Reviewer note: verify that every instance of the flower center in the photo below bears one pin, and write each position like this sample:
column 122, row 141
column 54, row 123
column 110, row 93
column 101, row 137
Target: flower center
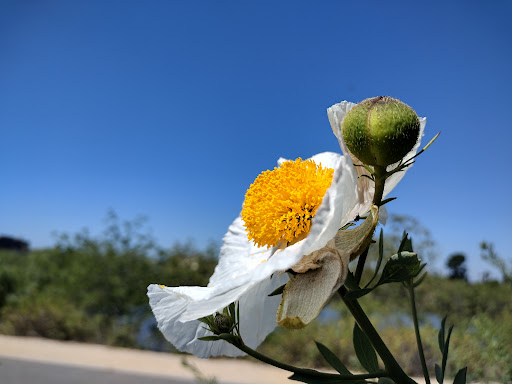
column 280, row 204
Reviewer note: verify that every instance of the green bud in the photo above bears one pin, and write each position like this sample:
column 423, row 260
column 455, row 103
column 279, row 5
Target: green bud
column 222, row 323
column 381, row 130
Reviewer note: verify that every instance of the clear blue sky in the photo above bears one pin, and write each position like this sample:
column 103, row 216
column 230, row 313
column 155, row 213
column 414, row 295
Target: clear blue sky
column 170, row 109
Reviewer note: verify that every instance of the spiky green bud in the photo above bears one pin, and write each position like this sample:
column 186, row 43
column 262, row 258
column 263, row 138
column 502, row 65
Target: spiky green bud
column 380, row 130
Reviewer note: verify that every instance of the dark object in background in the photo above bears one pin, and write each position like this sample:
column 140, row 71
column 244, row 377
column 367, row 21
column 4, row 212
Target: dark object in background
column 13, row 244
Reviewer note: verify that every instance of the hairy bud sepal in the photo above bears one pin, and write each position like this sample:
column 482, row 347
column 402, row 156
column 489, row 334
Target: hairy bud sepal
column 381, row 130
column 222, row 323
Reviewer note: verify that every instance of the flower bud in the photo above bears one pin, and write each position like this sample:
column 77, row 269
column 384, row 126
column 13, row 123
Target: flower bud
column 222, row 323
column 381, row 130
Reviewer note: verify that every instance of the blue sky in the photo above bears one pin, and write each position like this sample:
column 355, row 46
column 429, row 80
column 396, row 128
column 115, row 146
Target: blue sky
column 171, row 109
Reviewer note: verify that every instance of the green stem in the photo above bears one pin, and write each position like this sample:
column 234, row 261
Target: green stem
column 302, row 371
column 392, row 367
column 380, row 180
column 417, row 332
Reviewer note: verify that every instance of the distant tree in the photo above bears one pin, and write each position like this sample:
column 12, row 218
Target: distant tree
column 489, row 254
column 12, row 244
column 457, row 265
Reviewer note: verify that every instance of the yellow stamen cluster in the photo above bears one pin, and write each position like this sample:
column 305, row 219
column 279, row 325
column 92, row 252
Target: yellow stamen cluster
column 280, row 204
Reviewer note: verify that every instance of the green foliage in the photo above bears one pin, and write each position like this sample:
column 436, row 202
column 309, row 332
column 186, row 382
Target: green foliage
column 332, row 359
column 364, row 350
column 93, row 289
column 49, row 316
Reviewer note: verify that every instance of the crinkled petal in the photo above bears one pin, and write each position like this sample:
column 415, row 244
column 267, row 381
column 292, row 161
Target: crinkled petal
column 257, row 317
column 336, row 114
column 168, row 304
column 242, row 264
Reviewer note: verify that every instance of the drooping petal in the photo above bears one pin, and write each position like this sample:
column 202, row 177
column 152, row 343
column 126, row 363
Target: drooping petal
column 321, row 273
column 257, row 317
column 307, row 293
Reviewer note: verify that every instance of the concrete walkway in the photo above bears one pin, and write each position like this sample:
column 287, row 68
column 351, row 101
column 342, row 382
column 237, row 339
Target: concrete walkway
column 100, row 357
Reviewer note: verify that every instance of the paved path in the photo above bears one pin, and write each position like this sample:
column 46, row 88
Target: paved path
column 22, row 371
column 44, row 358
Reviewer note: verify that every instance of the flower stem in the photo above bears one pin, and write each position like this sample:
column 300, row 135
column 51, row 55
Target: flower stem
column 380, row 180
column 410, row 286
column 392, row 367
column 302, row 371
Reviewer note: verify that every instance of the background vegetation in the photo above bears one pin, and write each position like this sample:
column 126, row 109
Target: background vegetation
column 93, row 289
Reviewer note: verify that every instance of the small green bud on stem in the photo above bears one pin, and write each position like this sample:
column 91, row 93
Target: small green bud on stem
column 223, row 323
column 380, row 131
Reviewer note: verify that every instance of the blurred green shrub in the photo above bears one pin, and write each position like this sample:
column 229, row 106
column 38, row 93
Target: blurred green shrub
column 94, row 288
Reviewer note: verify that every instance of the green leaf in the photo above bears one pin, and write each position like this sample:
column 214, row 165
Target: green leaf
column 422, row 266
column 420, row 280
column 357, row 293
column 440, row 336
column 228, row 337
column 348, row 225
column 402, row 242
column 369, row 177
column 364, row 350
column 208, row 338
column 400, row 267
column 380, row 258
column 277, row 291
column 232, row 309
column 445, row 351
column 460, row 377
column 332, row 359
column 350, row 282
column 439, row 374
column 385, row 201
column 206, row 320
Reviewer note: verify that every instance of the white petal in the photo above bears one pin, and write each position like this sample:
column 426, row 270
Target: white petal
column 336, row 114
column 257, row 317
column 168, row 304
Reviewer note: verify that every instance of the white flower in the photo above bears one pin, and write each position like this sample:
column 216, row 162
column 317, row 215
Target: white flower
column 248, row 273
